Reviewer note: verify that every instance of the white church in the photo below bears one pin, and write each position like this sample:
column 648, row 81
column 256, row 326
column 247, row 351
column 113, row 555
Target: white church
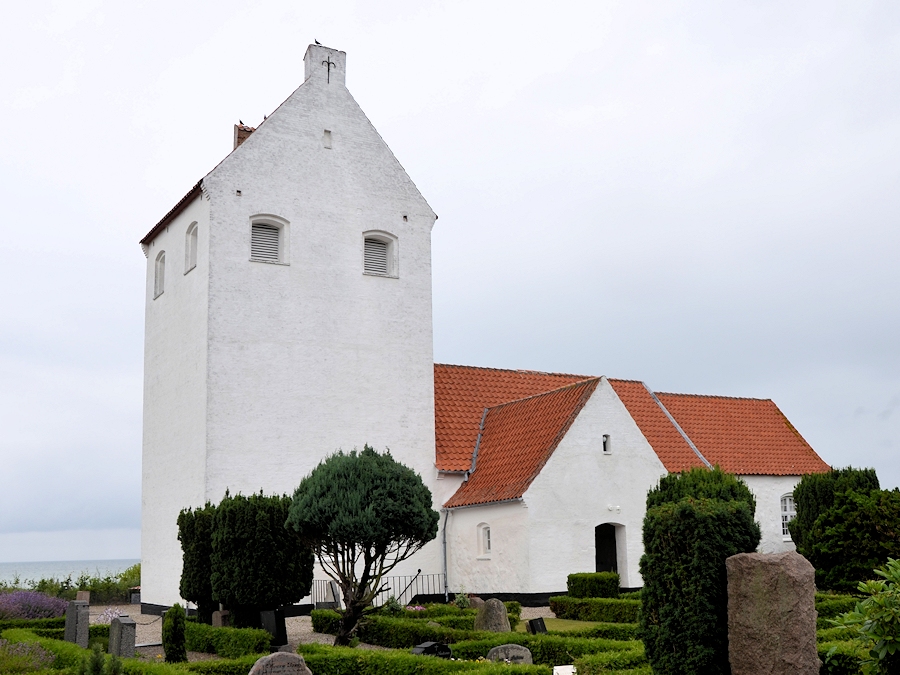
column 288, row 315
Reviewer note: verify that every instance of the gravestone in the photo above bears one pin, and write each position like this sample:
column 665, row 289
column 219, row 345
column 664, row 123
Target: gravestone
column 82, row 624
column 71, row 620
column 221, row 618
column 771, row 614
column 438, row 649
column 280, row 663
column 273, row 621
column 122, row 632
column 332, row 597
column 493, row 617
column 475, row 602
column 511, row 653
column 84, row 596
column 535, row 626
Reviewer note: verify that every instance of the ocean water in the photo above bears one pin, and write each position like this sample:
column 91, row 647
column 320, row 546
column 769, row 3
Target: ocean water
column 62, row 568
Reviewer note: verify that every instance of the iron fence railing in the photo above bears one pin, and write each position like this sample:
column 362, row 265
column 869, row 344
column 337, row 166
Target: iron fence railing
column 404, row 588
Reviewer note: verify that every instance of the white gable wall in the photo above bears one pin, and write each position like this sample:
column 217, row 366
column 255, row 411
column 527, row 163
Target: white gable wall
column 173, row 467
column 768, row 491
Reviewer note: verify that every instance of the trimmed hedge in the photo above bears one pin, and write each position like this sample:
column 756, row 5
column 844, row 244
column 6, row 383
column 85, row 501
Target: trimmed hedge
column 608, row 610
column 550, row 650
column 67, row 653
column 229, row 643
column 97, row 630
column 598, row 664
column 608, row 631
column 837, row 634
column 59, row 622
column 830, row 606
column 844, row 661
column 593, row 585
column 324, row 660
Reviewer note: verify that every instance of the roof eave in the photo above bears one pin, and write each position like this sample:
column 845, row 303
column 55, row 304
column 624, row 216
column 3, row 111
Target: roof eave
column 173, row 213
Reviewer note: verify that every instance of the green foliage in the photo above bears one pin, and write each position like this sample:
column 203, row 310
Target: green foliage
column 593, row 585
column 59, row 622
column 229, row 643
column 362, row 513
column 607, row 631
column 877, row 620
column 550, row 650
column 700, row 483
column 836, row 634
column 392, row 607
column 173, row 634
column 195, row 528
column 23, row 657
column 610, row 610
column 68, row 655
column 106, row 589
column 840, row 658
column 92, row 663
column 814, row 495
column 257, row 563
column 324, row 660
column 858, row 533
column 829, row 605
column 598, row 664
column 462, row 600
column 684, row 618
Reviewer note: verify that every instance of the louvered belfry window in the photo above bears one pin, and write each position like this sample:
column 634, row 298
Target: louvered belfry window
column 264, row 242
column 376, row 257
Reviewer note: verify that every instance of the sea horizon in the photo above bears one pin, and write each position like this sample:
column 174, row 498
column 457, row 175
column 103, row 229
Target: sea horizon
column 60, row 569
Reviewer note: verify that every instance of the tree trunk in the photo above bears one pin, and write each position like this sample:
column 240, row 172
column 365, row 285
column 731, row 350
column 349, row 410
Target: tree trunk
column 349, row 622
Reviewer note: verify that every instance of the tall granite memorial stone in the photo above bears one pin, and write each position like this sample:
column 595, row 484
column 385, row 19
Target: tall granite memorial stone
column 122, row 631
column 771, row 614
column 77, row 619
column 492, row 617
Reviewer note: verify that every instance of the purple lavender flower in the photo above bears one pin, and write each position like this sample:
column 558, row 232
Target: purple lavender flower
column 23, row 657
column 30, row 605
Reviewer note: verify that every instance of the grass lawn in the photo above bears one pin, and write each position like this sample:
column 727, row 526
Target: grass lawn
column 560, row 624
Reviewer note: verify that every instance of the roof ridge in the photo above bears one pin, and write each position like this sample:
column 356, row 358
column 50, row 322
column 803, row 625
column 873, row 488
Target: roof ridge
column 546, row 393
column 516, row 370
column 730, row 398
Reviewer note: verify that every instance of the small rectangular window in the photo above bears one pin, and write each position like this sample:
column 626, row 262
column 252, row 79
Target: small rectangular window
column 376, row 257
column 264, row 242
column 607, row 447
column 327, row 139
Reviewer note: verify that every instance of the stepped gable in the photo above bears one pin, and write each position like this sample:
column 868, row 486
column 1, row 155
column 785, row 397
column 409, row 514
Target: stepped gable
column 669, row 445
column 461, row 393
column 517, row 440
column 745, row 436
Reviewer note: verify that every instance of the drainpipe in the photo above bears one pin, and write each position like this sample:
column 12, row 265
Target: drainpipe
column 444, row 555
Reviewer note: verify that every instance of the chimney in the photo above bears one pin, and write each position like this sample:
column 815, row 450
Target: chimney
column 325, row 65
column 241, row 134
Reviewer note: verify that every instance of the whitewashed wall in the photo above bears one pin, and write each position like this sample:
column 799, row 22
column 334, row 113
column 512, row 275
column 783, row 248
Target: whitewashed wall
column 173, row 468
column 768, row 491
column 550, row 533
column 310, row 356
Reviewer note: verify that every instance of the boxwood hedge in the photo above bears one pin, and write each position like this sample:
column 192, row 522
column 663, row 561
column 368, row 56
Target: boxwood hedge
column 599, row 664
column 229, row 643
column 551, row 650
column 593, row 585
column 609, row 610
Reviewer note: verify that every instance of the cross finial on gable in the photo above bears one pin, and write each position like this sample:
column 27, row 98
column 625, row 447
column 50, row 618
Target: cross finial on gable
column 331, row 63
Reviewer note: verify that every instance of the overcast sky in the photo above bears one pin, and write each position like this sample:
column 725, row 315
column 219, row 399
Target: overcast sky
column 700, row 195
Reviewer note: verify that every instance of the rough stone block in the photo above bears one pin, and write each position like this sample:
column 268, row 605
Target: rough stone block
column 281, row 663
column 771, row 614
column 221, row 618
column 82, row 623
column 511, row 653
column 492, row 617
column 83, row 595
column 122, row 632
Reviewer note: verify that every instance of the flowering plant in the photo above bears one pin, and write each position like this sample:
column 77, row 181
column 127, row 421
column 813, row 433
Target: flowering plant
column 108, row 615
column 415, row 608
column 30, row 605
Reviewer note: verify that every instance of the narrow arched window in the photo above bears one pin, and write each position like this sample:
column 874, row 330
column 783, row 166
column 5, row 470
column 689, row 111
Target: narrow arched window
column 788, row 511
column 190, row 248
column 159, row 276
column 484, row 540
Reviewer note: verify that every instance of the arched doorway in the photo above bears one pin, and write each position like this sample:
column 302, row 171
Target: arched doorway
column 605, row 548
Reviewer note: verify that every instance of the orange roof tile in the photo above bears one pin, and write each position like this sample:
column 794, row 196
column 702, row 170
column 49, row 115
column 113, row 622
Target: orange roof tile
column 670, row 446
column 461, row 393
column 517, row 440
column 745, row 436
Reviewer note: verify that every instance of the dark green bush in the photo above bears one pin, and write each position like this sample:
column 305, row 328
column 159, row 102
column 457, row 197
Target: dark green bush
column 257, row 562
column 814, row 495
column 859, row 533
column 173, row 634
column 229, row 643
column 630, row 595
column 551, row 650
column 609, row 610
column 840, row 658
column 345, row 661
column 95, row 631
column 829, row 606
column 684, row 619
column 701, row 484
column 593, row 585
column 608, row 631
column 59, row 622
column 599, row 664
column 195, row 528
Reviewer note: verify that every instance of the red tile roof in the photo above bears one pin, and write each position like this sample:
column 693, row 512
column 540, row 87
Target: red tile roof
column 670, row 446
column 461, row 393
column 744, row 436
column 517, row 440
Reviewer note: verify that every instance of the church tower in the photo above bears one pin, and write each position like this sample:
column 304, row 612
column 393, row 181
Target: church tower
column 288, row 314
